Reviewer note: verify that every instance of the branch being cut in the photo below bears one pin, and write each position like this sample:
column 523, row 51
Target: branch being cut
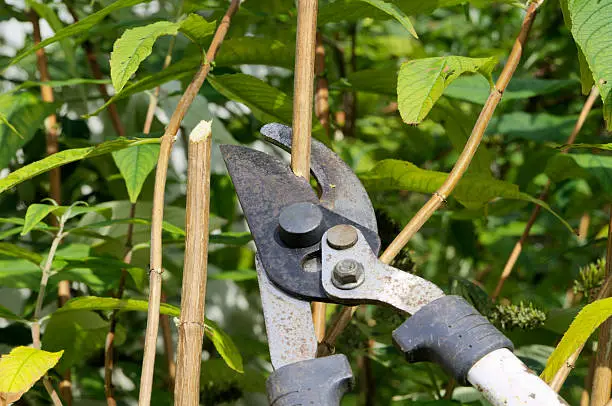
column 463, row 162
column 518, row 247
column 167, row 140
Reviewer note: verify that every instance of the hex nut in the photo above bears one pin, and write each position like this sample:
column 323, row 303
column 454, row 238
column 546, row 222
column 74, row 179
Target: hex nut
column 348, row 274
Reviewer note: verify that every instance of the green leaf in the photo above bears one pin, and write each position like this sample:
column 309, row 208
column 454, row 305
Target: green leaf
column 22, row 368
column 476, row 89
column 80, row 27
column 8, row 315
column 421, row 82
column 585, row 323
column 567, row 166
column 22, row 116
column 223, row 343
column 15, row 251
column 473, row 190
column 104, row 267
column 35, row 214
column 236, row 276
column 381, row 81
column 133, row 47
column 79, row 334
column 267, row 103
column 589, row 22
column 235, row 51
column 67, row 156
column 395, row 12
column 171, row 228
column 231, row 238
column 196, row 28
column 135, row 164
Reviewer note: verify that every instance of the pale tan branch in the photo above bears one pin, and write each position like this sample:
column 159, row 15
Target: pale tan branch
column 155, row 279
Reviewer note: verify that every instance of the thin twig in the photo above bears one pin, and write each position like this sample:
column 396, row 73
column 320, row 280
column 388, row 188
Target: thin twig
column 164, row 322
column 193, row 295
column 463, row 162
column 167, row 140
column 52, row 145
column 44, row 280
column 602, row 374
column 518, row 247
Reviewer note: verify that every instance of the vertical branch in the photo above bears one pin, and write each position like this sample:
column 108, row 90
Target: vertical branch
column 518, row 247
column 55, row 188
column 164, row 321
column 461, row 166
column 602, row 373
column 322, row 91
column 350, row 98
column 302, row 111
column 167, row 140
column 193, row 295
column 303, row 87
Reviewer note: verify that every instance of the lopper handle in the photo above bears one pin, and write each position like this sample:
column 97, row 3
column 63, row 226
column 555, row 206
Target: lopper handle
column 319, row 381
column 452, row 333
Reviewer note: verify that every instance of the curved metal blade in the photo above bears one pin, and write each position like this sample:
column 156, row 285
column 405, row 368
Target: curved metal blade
column 289, row 325
column 342, row 191
column 265, row 185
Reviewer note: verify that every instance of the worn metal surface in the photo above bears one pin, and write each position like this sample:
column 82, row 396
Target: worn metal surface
column 342, row 236
column 265, row 186
column 341, row 190
column 289, row 325
column 382, row 284
column 301, row 224
column 348, row 274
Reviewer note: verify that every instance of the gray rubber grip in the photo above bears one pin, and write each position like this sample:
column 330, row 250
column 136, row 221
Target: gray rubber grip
column 319, row 381
column 451, row 333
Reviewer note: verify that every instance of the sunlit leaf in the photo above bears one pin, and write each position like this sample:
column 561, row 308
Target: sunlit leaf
column 197, row 29
column 421, row 82
column 236, row 276
column 15, row 251
column 394, row 11
column 585, row 323
column 133, row 47
column 22, row 368
column 67, row 156
column 568, row 166
column 589, row 22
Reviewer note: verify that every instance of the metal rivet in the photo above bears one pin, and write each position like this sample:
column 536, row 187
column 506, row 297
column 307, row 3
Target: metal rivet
column 348, row 274
column 301, row 225
column 342, row 236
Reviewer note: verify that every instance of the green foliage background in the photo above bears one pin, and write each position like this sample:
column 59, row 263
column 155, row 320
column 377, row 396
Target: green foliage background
column 375, row 64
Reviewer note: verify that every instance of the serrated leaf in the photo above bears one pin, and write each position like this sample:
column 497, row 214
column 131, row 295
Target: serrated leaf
column 473, row 190
column 267, row 103
column 15, row 251
column 589, row 22
column 78, row 334
column 67, row 156
column 223, row 343
column 22, row 368
column 395, row 12
column 585, row 323
column 20, row 117
column 421, row 82
column 196, row 28
column 80, row 27
column 133, row 47
column 135, row 164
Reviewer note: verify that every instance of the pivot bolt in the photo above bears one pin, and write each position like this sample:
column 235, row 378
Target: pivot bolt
column 348, row 274
column 342, row 236
column 301, row 225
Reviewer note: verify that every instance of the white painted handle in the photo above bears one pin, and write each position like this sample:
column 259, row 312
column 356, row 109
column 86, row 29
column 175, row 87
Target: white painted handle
column 505, row 381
